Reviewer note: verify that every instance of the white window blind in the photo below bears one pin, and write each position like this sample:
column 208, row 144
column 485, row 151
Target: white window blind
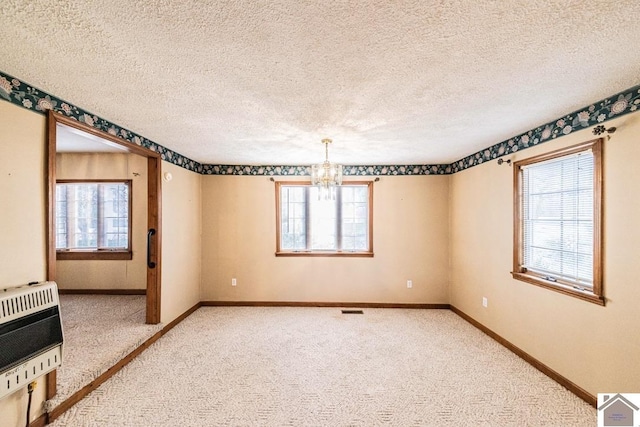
column 558, row 218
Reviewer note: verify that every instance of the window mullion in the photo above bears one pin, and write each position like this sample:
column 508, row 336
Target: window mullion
column 100, row 217
column 71, row 217
column 339, row 218
column 307, row 217
column 562, row 218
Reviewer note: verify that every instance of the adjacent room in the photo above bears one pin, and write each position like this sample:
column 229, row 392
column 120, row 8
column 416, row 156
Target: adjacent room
column 319, row 213
column 103, row 295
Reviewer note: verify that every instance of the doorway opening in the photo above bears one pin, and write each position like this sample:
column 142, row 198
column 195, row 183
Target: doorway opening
column 96, row 143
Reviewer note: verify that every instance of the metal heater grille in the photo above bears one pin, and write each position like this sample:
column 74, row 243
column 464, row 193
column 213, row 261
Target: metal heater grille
column 30, row 335
column 23, row 301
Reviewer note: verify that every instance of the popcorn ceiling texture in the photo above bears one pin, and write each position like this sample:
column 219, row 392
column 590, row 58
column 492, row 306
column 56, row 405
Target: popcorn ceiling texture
column 261, row 83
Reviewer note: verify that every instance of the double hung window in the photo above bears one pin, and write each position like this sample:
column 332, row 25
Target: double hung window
column 557, row 221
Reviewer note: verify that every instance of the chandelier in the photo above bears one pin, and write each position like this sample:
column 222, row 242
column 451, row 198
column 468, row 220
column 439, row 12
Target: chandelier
column 326, row 176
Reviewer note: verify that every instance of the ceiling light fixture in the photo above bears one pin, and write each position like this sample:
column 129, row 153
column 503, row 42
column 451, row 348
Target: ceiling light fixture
column 326, row 176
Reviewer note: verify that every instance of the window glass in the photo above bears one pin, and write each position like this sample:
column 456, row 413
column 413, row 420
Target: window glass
column 92, row 215
column 311, row 220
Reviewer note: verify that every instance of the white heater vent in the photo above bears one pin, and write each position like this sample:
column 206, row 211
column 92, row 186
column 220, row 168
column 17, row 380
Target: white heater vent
column 30, row 334
column 23, row 301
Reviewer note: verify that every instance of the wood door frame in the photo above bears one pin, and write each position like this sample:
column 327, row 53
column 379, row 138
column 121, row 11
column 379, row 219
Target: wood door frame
column 154, row 204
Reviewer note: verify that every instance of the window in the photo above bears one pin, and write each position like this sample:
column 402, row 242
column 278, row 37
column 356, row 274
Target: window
column 92, row 219
column 557, row 221
column 309, row 224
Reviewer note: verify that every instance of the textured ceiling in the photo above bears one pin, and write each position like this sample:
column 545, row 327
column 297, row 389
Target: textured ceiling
column 392, row 82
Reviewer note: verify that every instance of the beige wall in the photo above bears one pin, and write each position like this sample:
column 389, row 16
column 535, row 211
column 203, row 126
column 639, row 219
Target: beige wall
column 410, row 218
column 181, row 245
column 22, row 195
column 595, row 347
column 88, row 274
column 23, row 229
column 22, row 223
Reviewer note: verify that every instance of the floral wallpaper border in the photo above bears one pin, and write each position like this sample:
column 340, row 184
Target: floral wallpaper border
column 26, row 96
column 372, row 170
column 597, row 113
column 34, row 99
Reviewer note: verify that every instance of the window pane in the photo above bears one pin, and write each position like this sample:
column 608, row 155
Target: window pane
column 355, row 218
column 585, row 269
column 545, row 260
column 293, row 221
column 569, row 236
column 545, row 206
column 585, row 237
column 546, row 234
column 347, row 194
column 83, row 218
column 115, row 208
column 61, row 217
column 323, row 221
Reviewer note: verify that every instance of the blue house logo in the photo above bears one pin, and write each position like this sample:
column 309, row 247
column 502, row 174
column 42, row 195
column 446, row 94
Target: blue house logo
column 617, row 410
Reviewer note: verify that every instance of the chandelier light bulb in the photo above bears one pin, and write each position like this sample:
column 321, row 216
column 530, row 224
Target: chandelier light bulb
column 326, row 176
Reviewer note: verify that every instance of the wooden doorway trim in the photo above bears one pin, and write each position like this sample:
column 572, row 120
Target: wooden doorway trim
column 154, row 203
column 154, row 218
column 154, row 188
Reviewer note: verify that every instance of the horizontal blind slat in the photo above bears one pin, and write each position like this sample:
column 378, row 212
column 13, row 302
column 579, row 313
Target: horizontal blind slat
column 557, row 215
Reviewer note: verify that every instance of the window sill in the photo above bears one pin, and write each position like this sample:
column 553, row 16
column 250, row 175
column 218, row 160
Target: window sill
column 94, row 255
column 559, row 287
column 326, row 254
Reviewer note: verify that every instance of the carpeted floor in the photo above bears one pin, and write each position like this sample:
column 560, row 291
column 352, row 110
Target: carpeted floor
column 99, row 330
column 246, row 366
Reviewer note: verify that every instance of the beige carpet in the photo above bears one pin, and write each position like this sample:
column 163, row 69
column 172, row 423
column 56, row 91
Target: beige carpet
column 99, row 330
column 316, row 367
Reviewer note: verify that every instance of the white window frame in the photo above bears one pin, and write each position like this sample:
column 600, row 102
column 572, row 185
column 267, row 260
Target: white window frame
column 368, row 252
column 520, row 272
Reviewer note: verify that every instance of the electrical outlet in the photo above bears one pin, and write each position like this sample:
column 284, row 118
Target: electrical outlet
column 233, row 282
column 409, row 284
column 485, row 302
